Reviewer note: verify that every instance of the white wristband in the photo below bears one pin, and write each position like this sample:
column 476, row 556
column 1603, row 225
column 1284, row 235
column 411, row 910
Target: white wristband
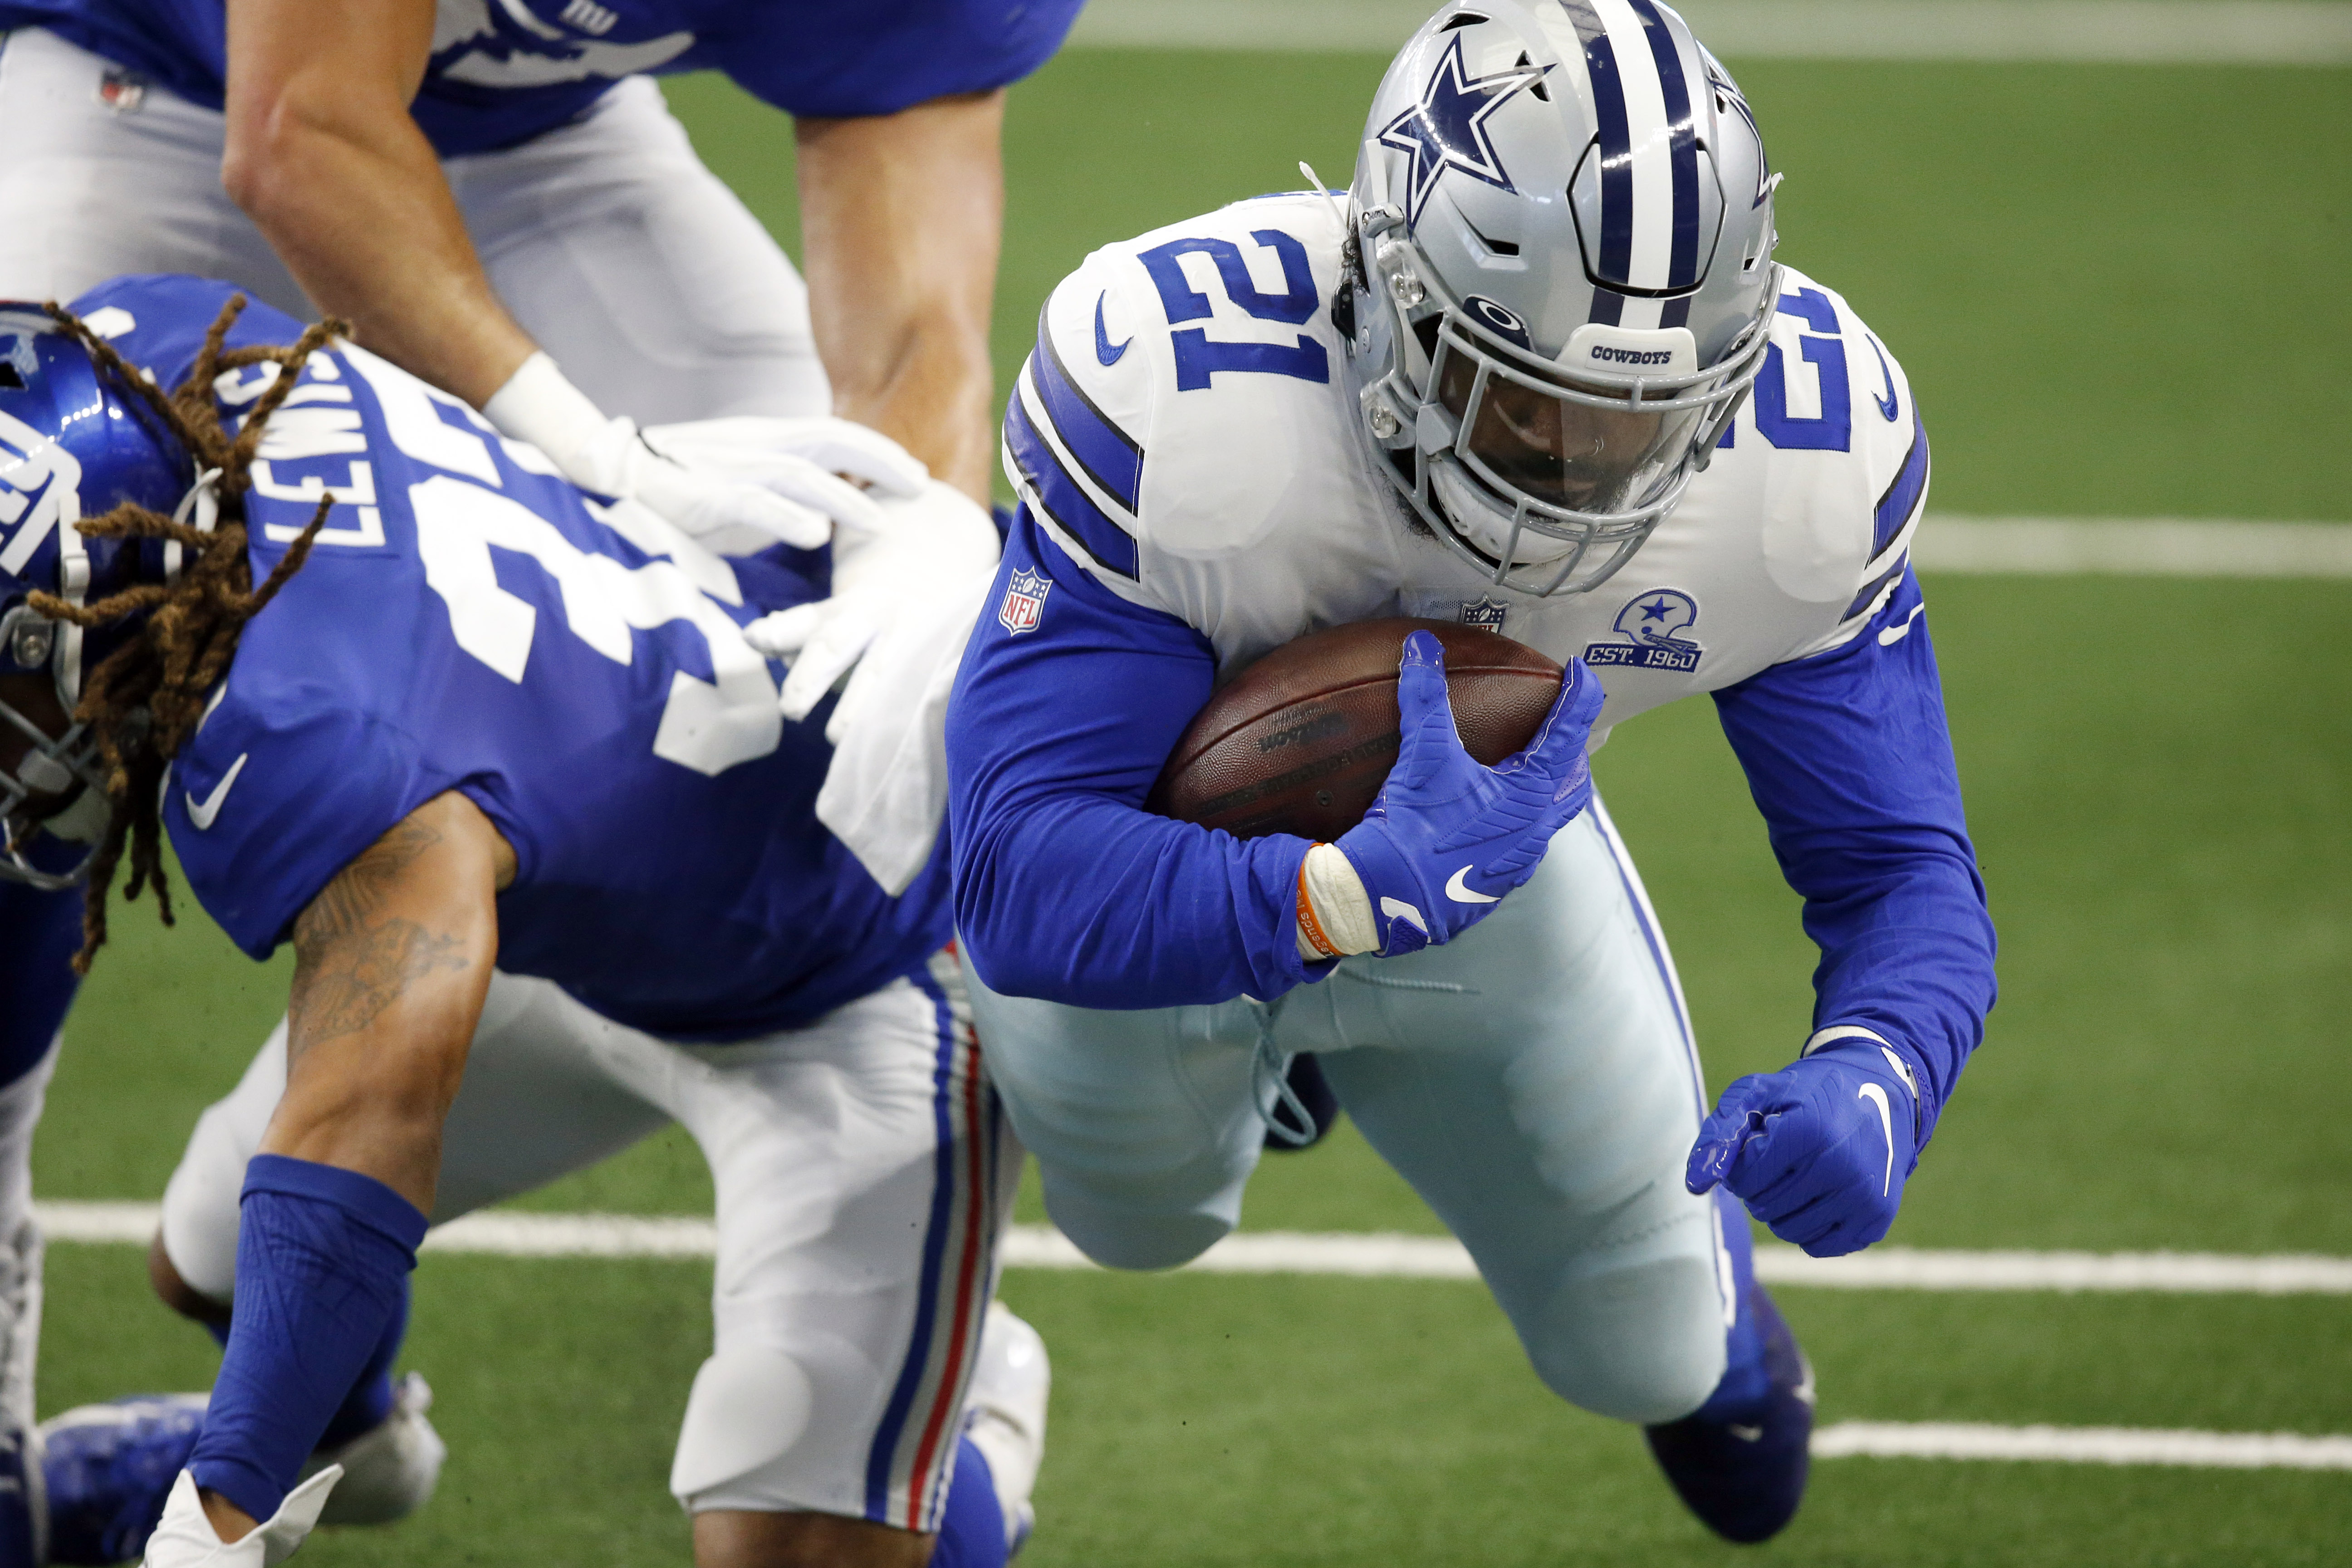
column 539, row 406
column 1339, row 904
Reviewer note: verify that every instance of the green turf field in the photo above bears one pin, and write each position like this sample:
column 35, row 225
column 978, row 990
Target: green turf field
column 2118, row 291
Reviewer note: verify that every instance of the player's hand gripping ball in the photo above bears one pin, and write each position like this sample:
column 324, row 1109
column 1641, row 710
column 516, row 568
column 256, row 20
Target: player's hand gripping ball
column 1818, row 1151
column 1448, row 836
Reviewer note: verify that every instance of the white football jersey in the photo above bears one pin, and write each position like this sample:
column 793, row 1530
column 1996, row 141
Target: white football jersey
column 1186, row 434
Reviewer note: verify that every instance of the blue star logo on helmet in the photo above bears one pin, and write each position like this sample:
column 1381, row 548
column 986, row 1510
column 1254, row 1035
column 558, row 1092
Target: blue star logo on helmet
column 1446, row 128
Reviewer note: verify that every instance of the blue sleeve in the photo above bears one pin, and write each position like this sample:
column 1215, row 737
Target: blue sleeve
column 1850, row 761
column 265, row 809
column 841, row 62
column 1066, row 888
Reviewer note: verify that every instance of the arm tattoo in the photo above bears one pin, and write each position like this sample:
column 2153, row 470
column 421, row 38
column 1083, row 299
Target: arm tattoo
column 352, row 961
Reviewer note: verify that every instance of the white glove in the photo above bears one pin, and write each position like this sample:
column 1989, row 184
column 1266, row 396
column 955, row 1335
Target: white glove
column 921, row 546
column 748, row 480
column 183, row 1538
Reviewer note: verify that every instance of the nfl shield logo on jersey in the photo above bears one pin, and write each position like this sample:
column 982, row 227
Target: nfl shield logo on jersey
column 1483, row 614
column 1652, row 624
column 1024, row 601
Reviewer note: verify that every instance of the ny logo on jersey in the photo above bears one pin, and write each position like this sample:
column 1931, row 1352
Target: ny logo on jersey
column 1652, row 623
column 1024, row 601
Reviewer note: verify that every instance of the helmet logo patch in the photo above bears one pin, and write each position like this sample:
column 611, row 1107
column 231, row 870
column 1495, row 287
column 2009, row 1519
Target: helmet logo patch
column 1653, row 624
column 1503, row 323
column 40, row 487
column 1446, row 128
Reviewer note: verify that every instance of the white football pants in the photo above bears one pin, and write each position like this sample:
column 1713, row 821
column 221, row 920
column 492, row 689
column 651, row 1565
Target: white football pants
column 627, row 260
column 1533, row 1079
column 863, row 1173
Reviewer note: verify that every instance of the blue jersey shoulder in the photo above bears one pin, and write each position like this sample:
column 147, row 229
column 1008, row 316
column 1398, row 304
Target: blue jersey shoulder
column 468, row 621
column 502, row 71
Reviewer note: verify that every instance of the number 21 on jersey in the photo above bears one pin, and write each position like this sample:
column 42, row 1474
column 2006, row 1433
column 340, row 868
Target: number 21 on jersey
column 1198, row 355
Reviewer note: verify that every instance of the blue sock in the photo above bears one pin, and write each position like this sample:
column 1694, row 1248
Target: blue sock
column 972, row 1533
column 1747, row 1382
column 370, row 1399
column 323, row 1257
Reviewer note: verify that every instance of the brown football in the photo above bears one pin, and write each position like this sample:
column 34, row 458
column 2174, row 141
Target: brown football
column 1301, row 740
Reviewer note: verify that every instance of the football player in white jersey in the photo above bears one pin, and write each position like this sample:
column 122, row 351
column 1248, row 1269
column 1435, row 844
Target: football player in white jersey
column 1537, row 370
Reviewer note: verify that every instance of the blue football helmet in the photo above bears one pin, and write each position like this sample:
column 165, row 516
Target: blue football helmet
column 71, row 446
column 1562, row 282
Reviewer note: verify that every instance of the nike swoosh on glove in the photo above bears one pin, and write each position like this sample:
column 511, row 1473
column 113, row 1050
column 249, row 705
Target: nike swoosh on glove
column 914, row 553
column 1448, row 837
column 1820, row 1150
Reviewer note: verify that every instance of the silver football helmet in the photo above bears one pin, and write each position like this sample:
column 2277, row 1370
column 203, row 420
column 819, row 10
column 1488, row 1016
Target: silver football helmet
column 1560, row 274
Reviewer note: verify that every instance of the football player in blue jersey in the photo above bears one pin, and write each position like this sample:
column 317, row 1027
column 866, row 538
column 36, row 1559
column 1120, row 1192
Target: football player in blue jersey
column 1537, row 371
column 505, row 762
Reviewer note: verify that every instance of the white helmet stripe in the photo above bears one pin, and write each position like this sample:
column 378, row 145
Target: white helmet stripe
column 1650, row 136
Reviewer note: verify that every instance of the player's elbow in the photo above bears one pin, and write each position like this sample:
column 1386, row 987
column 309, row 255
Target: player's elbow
column 283, row 144
column 262, row 159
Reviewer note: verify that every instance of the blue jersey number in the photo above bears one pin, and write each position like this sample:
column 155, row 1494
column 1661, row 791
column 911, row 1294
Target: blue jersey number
column 1200, row 356
column 1833, row 429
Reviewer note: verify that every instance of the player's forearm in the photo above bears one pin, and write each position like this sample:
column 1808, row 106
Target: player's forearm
column 373, row 235
column 901, row 219
column 322, row 154
column 1066, row 888
column 1096, row 904
column 1849, row 760
column 392, row 962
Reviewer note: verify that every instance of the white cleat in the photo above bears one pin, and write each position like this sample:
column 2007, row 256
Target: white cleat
column 389, row 1470
column 184, row 1537
column 1004, row 1414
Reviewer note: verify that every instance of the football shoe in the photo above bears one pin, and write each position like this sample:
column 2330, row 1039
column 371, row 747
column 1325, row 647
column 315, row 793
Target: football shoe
column 108, row 1468
column 1004, row 1414
column 1739, row 1460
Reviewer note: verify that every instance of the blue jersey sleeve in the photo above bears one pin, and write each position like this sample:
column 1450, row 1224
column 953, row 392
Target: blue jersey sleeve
column 269, row 802
column 1850, row 761
column 850, row 60
column 1065, row 889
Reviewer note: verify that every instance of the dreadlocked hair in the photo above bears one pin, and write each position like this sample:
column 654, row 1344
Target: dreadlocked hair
column 146, row 700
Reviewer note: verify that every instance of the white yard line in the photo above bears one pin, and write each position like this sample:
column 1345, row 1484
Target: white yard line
column 509, row 1234
column 2082, row 1446
column 2193, row 32
column 2142, row 547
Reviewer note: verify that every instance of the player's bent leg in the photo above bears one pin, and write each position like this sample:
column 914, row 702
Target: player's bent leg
column 1533, row 1081
column 863, row 1172
column 539, row 1099
column 125, row 177
column 1141, row 1122
column 660, row 296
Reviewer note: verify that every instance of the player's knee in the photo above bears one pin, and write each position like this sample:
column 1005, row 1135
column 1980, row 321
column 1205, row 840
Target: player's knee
column 176, row 1292
column 749, row 1405
column 1134, row 1235
column 197, row 1240
column 1644, row 1343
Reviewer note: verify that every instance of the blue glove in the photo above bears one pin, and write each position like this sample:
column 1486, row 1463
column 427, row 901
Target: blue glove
column 1818, row 1151
column 1449, row 837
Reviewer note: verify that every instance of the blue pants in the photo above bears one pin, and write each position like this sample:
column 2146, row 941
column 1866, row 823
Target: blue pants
column 1533, row 1079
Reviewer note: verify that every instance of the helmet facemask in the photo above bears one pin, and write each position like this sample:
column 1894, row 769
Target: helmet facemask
column 1547, row 481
